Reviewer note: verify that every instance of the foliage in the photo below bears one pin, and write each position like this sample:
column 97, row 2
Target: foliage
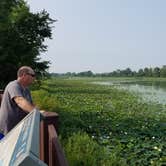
column 83, row 150
column 129, row 130
column 163, row 71
column 146, row 72
column 45, row 101
column 22, row 36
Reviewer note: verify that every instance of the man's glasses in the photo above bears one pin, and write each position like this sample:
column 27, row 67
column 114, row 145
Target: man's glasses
column 33, row 75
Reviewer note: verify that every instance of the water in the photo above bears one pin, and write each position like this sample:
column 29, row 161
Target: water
column 149, row 91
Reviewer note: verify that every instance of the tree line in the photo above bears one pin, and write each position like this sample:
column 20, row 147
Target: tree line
column 22, row 36
column 146, row 72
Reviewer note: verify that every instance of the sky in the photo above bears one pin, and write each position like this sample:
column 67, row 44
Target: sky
column 104, row 35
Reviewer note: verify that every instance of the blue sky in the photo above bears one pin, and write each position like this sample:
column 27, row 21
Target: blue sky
column 105, row 35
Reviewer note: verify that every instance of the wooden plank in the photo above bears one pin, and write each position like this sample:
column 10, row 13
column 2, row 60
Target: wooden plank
column 42, row 141
column 56, row 154
column 47, row 118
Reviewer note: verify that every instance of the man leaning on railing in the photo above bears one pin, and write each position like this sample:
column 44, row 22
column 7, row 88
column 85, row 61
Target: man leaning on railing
column 17, row 101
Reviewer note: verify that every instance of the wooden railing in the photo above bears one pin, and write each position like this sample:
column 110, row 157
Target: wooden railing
column 50, row 148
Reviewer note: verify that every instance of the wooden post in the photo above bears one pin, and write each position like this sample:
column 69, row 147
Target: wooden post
column 46, row 119
column 56, row 154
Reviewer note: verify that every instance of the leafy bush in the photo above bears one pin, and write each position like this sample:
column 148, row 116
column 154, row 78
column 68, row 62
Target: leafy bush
column 45, row 101
column 82, row 150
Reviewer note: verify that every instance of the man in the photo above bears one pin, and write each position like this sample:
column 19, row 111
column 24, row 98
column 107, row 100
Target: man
column 17, row 101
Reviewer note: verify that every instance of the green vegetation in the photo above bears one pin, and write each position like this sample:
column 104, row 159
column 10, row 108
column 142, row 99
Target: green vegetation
column 22, row 36
column 146, row 72
column 104, row 126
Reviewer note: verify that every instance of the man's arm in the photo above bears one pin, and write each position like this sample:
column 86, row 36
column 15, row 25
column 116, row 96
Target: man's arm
column 24, row 104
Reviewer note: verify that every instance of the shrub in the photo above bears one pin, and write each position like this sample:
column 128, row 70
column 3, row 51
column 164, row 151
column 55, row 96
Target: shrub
column 81, row 150
column 45, row 101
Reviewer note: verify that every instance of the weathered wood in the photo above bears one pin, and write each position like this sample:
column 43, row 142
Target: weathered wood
column 56, row 154
column 50, row 118
column 42, row 141
column 47, row 118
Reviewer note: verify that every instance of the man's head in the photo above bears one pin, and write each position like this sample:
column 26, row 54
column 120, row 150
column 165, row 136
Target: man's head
column 25, row 75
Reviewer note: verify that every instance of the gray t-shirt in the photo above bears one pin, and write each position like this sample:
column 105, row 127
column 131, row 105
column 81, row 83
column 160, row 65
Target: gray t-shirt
column 10, row 112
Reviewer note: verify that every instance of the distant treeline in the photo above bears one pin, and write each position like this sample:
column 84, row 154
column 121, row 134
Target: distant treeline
column 146, row 72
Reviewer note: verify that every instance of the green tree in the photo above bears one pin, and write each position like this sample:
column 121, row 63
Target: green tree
column 86, row 73
column 156, row 72
column 22, row 36
column 150, row 72
column 163, row 71
column 141, row 72
column 146, row 71
column 128, row 72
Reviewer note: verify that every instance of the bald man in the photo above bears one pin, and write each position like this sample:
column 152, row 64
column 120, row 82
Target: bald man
column 17, row 100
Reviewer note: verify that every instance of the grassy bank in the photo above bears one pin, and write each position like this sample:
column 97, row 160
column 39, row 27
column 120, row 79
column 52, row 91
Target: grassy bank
column 100, row 125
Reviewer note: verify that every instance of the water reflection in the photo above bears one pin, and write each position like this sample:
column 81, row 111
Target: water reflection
column 150, row 91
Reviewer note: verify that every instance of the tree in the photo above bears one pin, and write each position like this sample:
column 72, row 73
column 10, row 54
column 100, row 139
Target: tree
column 163, row 71
column 141, row 72
column 128, row 72
column 86, row 73
column 22, row 36
column 156, row 72
column 146, row 71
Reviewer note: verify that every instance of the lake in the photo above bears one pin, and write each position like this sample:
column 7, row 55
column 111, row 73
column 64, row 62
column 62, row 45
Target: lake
column 154, row 91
